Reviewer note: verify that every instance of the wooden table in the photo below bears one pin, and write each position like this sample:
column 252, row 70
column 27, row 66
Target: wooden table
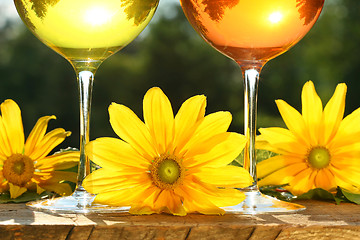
column 321, row 220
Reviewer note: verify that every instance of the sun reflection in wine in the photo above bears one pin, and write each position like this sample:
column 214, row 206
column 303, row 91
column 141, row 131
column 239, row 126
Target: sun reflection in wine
column 275, row 17
column 97, row 16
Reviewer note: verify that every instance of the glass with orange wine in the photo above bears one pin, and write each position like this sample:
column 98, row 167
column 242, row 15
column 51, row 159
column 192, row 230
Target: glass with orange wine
column 85, row 32
column 252, row 32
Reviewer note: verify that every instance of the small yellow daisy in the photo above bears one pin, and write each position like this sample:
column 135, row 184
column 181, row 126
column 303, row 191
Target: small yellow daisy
column 25, row 165
column 319, row 149
column 176, row 165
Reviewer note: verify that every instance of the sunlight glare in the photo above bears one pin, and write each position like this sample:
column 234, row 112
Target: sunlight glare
column 275, row 17
column 97, row 15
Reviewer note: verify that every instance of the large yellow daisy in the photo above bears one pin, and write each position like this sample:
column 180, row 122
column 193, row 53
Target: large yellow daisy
column 165, row 164
column 319, row 149
column 25, row 165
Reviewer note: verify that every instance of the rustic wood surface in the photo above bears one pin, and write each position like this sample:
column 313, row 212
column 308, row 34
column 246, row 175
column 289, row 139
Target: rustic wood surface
column 321, row 220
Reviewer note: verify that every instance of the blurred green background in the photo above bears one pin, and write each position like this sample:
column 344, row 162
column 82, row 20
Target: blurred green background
column 170, row 54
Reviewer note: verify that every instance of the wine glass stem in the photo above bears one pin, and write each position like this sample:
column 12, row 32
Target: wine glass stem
column 251, row 73
column 85, row 82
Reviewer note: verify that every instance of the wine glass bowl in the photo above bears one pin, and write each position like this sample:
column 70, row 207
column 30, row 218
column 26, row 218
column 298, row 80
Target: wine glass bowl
column 86, row 29
column 256, row 30
column 252, row 32
column 85, row 32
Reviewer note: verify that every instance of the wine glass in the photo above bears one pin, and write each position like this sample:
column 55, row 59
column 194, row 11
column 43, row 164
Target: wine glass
column 85, row 32
column 251, row 32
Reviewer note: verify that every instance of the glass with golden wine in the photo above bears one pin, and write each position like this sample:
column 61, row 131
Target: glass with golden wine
column 252, row 32
column 85, row 32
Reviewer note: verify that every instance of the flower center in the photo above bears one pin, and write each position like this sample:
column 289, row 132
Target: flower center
column 319, row 157
column 166, row 171
column 18, row 169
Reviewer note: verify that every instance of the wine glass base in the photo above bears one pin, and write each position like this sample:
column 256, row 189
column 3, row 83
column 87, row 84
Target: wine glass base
column 78, row 202
column 258, row 203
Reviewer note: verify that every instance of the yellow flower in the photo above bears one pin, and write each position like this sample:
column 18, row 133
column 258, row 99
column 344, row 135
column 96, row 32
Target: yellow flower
column 319, row 149
column 165, row 164
column 25, row 165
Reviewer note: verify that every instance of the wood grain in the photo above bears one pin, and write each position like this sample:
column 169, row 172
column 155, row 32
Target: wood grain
column 321, row 220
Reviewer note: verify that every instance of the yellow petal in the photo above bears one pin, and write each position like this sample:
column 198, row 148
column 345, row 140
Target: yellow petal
column 282, row 141
column 197, row 201
column 283, row 175
column 114, row 154
column 209, row 126
column 4, row 186
column 349, row 174
column 352, row 149
column 206, row 198
column 333, row 114
column 56, row 177
column 16, row 191
column 62, row 189
column 265, row 145
column 48, row 143
column 228, row 176
column 140, row 209
column 159, row 118
column 37, row 134
column 346, row 161
column 302, row 182
column 311, row 111
column 12, row 126
column 132, row 130
column 124, row 197
column 187, row 119
column 270, row 165
column 103, row 180
column 39, row 189
column 293, row 120
column 325, row 180
column 147, row 198
column 348, row 132
column 59, row 161
column 228, row 197
column 155, row 200
column 5, row 150
column 169, row 202
column 218, row 151
column 342, row 181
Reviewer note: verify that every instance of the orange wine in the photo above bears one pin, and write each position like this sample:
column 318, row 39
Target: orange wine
column 252, row 30
column 86, row 29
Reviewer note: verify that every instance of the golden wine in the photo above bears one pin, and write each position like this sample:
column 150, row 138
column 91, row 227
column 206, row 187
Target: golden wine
column 86, row 29
column 252, row 30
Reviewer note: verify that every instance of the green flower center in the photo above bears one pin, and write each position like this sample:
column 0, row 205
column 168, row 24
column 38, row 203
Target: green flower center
column 169, row 171
column 18, row 169
column 319, row 157
column 166, row 171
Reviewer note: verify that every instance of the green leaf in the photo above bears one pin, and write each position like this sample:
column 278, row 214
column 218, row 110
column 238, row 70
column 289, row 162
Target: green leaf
column 318, row 194
column 260, row 156
column 25, row 197
column 277, row 191
column 352, row 197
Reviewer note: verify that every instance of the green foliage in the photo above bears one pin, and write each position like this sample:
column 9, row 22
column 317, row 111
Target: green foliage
column 351, row 197
column 172, row 56
column 318, row 194
column 25, row 197
column 277, row 192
